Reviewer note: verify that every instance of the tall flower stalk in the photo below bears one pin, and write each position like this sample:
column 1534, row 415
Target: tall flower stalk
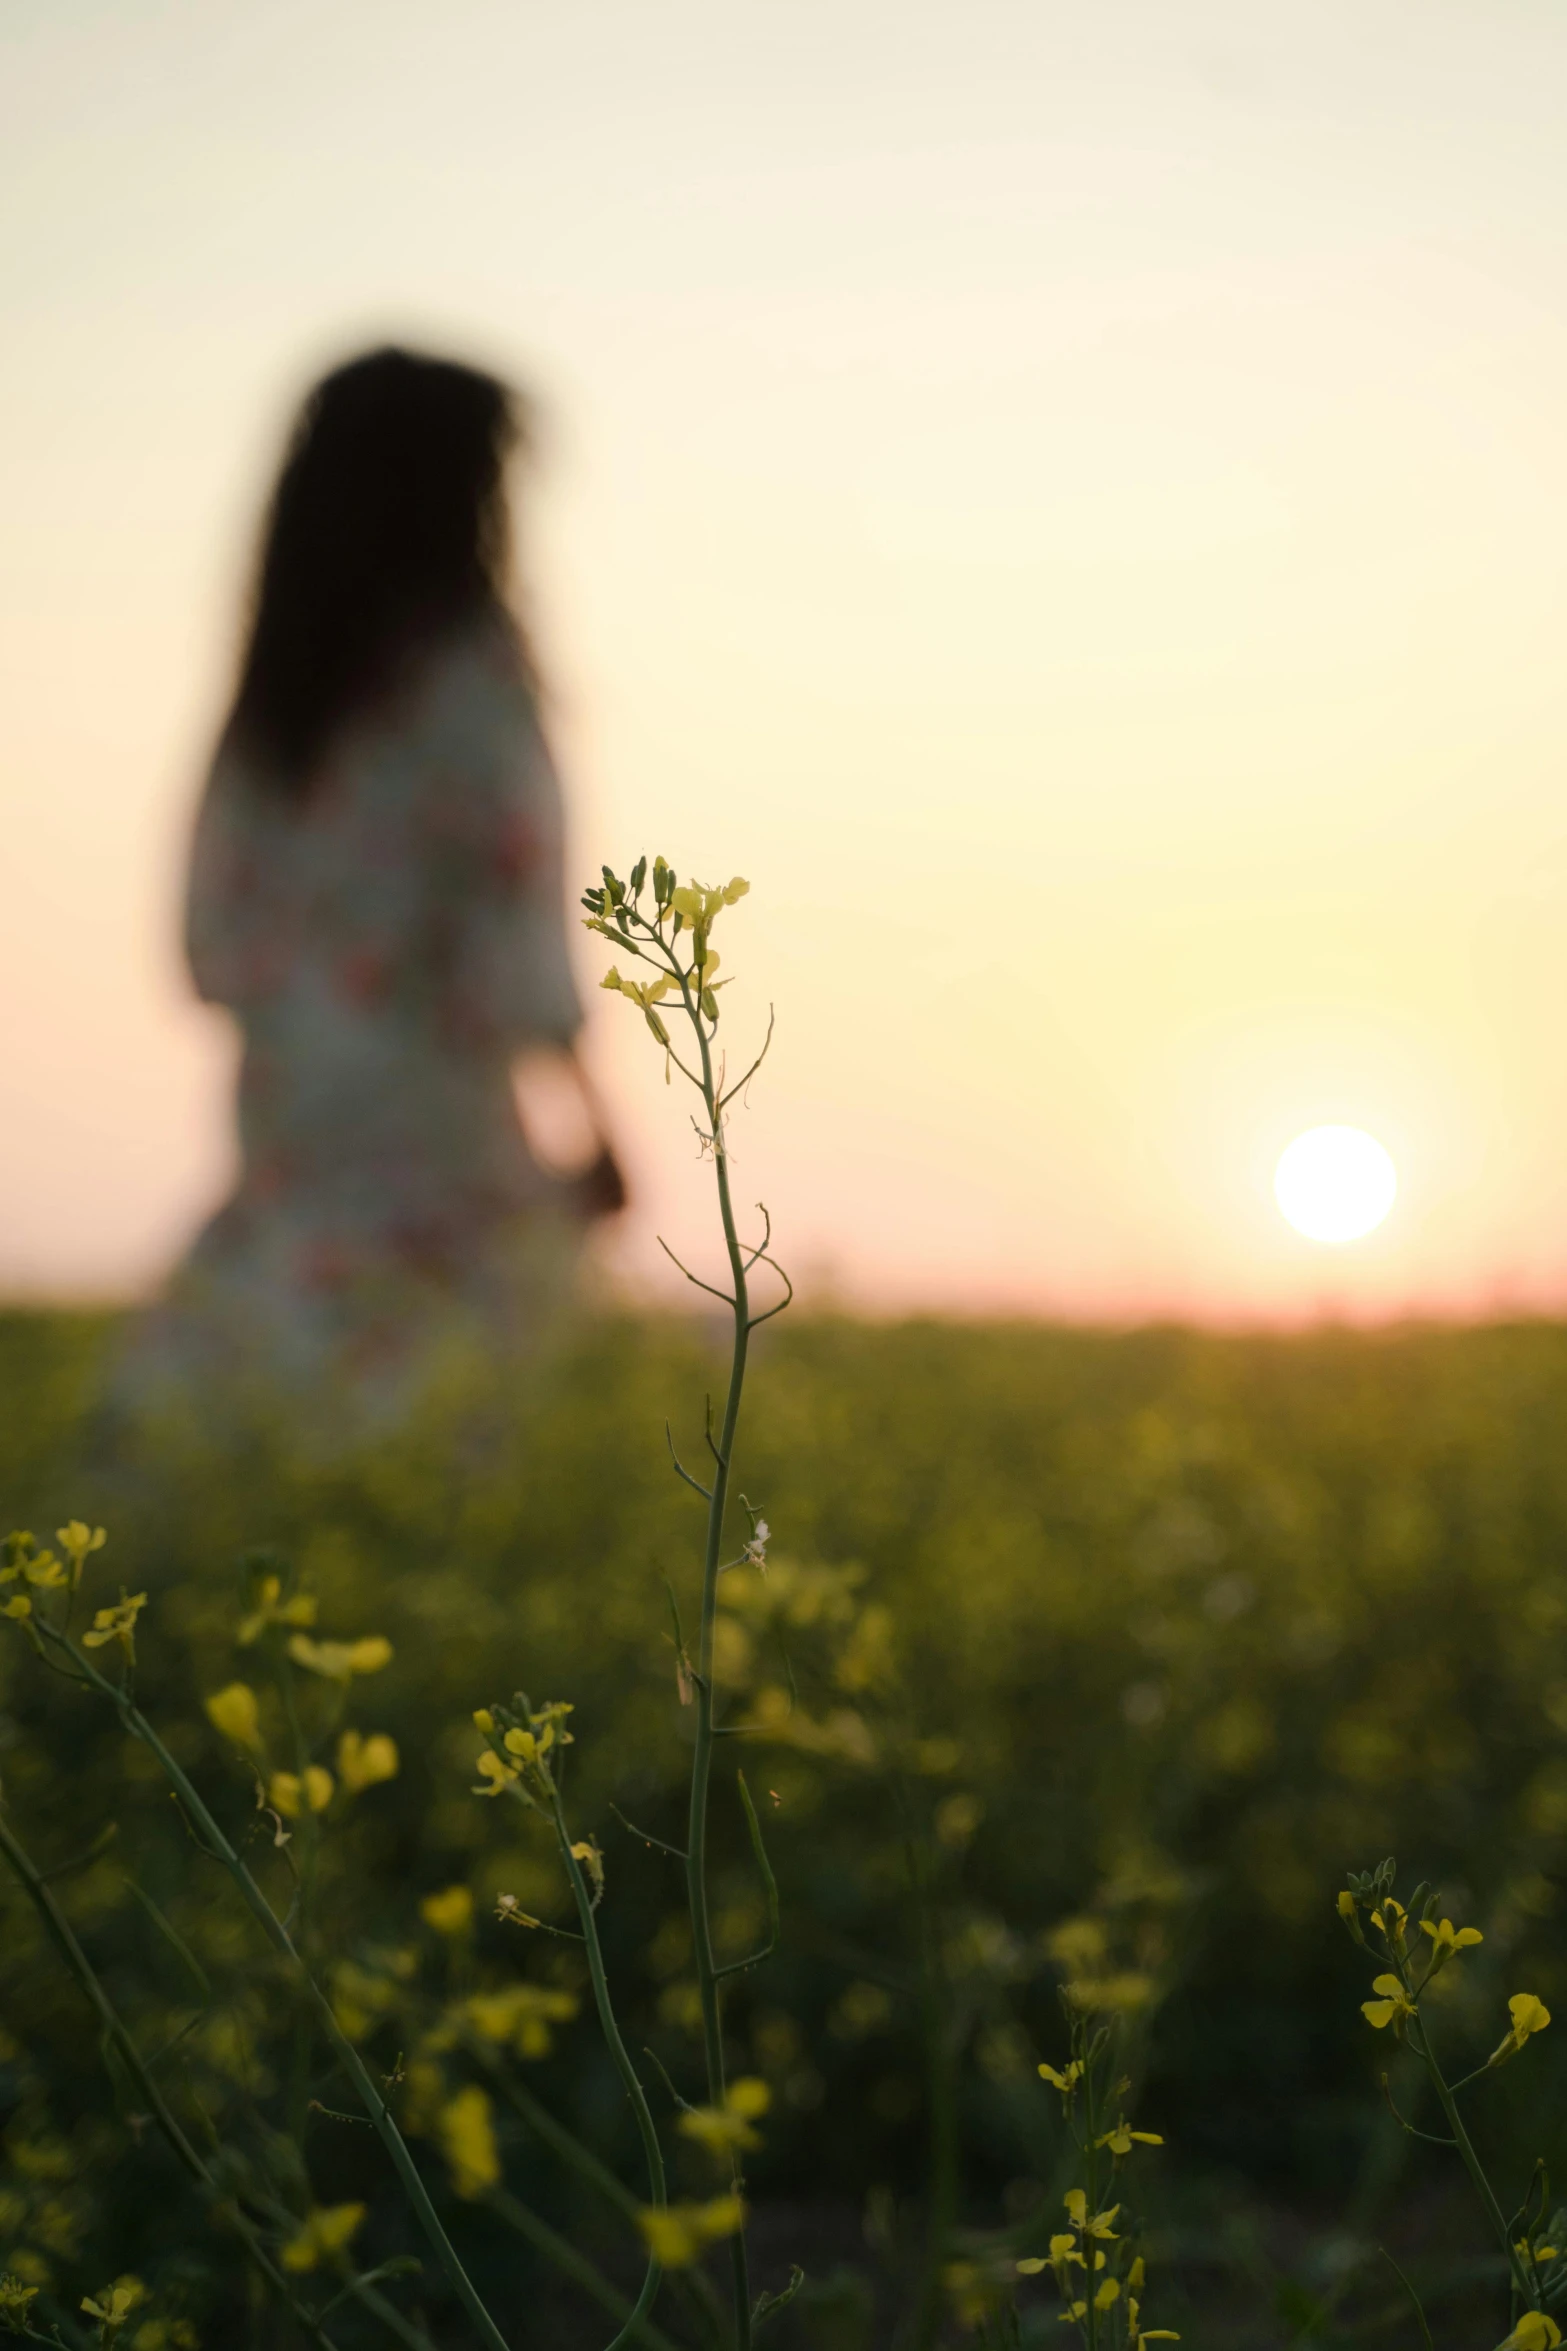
column 1414, row 1946
column 666, row 930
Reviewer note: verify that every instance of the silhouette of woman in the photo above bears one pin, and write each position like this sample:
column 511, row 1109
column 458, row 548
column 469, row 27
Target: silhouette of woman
column 376, row 893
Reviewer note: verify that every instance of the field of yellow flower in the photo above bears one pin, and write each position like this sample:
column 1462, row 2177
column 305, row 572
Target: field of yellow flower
column 1077, row 1658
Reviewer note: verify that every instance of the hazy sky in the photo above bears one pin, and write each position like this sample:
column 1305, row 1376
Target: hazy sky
column 1072, row 501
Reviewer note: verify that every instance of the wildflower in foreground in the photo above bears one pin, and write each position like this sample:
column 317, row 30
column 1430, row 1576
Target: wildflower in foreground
column 362, row 1763
column 721, row 2128
column 1066, row 2082
column 676, row 2234
column 1535, row 2331
column 326, row 2232
column 1120, row 2141
column 1529, row 2015
column 467, row 2138
column 494, row 1775
column 1097, row 2225
column 78, row 1541
column 117, row 1624
column 234, row 1712
column 1391, row 2008
column 449, row 1912
column 113, row 2305
column 14, row 2298
column 1448, row 1940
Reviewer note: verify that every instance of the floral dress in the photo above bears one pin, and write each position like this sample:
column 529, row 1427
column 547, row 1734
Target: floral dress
column 388, row 945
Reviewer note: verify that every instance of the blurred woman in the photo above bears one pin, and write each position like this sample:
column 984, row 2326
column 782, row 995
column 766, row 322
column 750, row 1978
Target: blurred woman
column 376, row 893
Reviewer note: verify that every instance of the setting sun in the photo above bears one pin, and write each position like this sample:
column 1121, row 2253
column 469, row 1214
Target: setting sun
column 1335, row 1183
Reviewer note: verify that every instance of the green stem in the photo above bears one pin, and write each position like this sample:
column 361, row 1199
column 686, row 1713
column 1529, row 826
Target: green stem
column 1091, row 2190
column 702, row 1757
column 610, row 2027
column 60, row 1930
column 277, row 1934
column 310, row 1847
column 1472, row 2164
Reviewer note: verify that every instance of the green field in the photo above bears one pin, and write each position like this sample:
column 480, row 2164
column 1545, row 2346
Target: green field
column 1148, row 1636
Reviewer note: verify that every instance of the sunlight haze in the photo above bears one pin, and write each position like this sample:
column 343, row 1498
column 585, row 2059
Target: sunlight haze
column 1073, row 504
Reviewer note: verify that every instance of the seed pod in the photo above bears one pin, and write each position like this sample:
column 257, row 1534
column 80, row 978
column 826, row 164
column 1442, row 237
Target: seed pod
column 709, row 1003
column 655, row 1024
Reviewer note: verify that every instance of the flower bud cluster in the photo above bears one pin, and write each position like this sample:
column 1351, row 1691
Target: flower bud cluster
column 518, row 1742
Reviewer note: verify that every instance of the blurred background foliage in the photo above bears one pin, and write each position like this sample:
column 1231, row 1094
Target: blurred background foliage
column 1081, row 1656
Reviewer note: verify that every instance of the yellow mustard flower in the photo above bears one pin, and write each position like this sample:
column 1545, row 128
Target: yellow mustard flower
column 677, row 2234
column 234, row 1712
column 1108, row 2294
column 1064, row 2248
column 1449, row 1939
column 295, row 1793
column 17, row 1605
column 44, row 1572
column 1393, row 2005
column 364, row 1762
column 1121, row 2140
column 1535, row 2331
column 117, row 1624
column 327, row 2230
column 113, row 2305
column 450, row 1912
column 339, row 1661
column 78, row 1541
column 14, row 2296
column 720, row 2128
column 1066, row 2082
column 494, row 1775
column 1089, row 2225
column 467, row 2139
column 271, row 1608
column 1391, row 1919
column 1529, row 2015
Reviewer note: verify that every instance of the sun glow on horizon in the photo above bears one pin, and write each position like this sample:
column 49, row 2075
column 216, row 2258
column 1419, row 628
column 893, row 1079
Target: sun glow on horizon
column 1335, row 1183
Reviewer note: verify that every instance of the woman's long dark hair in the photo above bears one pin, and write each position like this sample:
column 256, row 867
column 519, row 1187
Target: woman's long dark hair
column 387, row 530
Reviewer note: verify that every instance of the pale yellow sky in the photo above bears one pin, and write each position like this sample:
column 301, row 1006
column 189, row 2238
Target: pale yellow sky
column 1073, row 502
